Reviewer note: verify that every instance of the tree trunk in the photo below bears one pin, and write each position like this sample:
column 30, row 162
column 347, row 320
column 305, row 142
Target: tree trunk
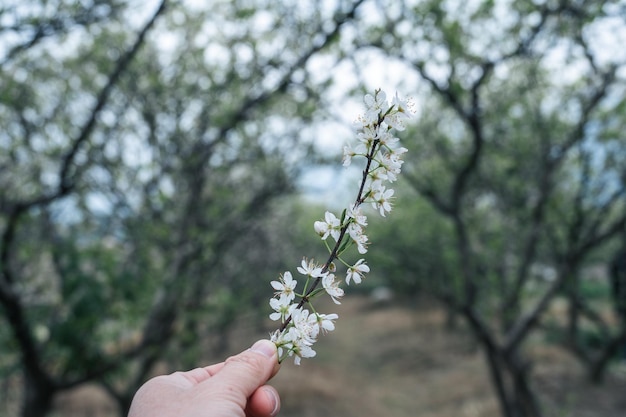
column 508, row 371
column 38, row 396
column 497, row 381
column 511, row 382
column 527, row 404
column 615, row 348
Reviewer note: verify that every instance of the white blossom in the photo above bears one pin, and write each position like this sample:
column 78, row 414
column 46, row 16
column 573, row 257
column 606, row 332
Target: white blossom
column 356, row 272
column 355, row 212
column 373, row 184
column 286, row 286
column 361, row 243
column 401, row 107
column 310, row 269
column 326, row 322
column 355, row 231
column 398, row 152
column 387, row 139
column 376, row 105
column 348, row 153
column 367, row 137
column 305, row 325
column 283, row 341
column 390, row 166
column 376, row 176
column 282, row 308
column 382, row 200
column 395, row 120
column 330, row 226
column 302, row 351
column 332, row 288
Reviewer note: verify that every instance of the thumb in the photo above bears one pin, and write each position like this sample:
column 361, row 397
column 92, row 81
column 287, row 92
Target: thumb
column 244, row 373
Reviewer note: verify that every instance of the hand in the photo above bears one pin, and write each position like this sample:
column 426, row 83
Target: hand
column 234, row 388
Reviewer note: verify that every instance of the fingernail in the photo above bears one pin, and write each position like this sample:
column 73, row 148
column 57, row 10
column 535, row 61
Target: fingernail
column 264, row 347
column 274, row 400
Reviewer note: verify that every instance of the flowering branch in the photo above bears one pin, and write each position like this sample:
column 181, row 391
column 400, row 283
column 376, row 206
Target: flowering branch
column 300, row 327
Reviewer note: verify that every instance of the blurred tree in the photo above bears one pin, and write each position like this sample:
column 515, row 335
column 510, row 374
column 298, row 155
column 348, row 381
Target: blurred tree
column 422, row 239
column 139, row 166
column 518, row 148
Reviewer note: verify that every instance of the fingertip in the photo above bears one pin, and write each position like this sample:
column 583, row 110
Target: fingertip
column 265, row 347
column 268, row 349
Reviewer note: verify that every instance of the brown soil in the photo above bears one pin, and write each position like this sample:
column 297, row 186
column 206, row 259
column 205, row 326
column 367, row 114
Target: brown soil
column 399, row 361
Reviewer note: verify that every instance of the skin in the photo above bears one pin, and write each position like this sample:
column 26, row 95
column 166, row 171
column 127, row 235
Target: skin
column 234, row 388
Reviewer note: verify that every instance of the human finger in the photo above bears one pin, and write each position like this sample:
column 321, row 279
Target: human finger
column 264, row 402
column 241, row 375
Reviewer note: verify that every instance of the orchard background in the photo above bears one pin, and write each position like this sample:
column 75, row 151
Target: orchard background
column 162, row 162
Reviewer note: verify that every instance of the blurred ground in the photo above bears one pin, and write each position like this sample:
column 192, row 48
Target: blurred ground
column 395, row 361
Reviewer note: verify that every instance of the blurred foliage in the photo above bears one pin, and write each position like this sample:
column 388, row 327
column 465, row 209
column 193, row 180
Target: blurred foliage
column 412, row 248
